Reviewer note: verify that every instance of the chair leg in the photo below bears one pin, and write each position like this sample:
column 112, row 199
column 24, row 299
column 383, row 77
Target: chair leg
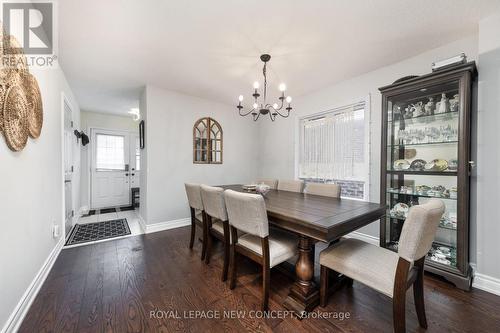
column 225, row 268
column 204, row 236
column 193, row 232
column 204, row 244
column 418, row 295
column 208, row 250
column 266, row 281
column 399, row 296
column 349, row 281
column 399, row 313
column 193, row 228
column 323, row 289
column 232, row 277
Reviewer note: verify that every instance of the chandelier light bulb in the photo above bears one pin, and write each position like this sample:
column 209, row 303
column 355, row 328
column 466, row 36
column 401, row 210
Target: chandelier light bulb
column 288, row 99
column 256, row 85
column 255, row 105
column 240, row 98
column 282, row 87
column 275, row 105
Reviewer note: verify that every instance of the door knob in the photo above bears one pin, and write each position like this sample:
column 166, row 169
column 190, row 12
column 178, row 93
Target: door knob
column 126, row 174
column 133, row 174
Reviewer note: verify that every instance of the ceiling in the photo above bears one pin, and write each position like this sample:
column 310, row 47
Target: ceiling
column 110, row 49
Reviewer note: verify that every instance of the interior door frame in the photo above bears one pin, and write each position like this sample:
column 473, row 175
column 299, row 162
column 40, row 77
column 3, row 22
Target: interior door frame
column 90, row 154
column 65, row 100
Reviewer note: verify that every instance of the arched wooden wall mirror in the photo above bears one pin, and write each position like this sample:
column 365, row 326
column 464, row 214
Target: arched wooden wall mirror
column 207, row 141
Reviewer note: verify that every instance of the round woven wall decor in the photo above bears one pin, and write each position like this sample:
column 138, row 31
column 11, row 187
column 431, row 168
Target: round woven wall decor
column 14, row 62
column 2, row 95
column 15, row 118
column 13, row 49
column 35, row 108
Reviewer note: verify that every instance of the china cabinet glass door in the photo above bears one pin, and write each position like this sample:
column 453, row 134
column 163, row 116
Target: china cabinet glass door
column 423, row 161
column 425, row 154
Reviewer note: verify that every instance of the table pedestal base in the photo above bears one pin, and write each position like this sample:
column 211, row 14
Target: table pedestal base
column 304, row 294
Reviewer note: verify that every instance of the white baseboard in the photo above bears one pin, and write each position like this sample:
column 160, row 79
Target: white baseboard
column 142, row 223
column 486, row 283
column 364, row 237
column 83, row 210
column 17, row 316
column 160, row 226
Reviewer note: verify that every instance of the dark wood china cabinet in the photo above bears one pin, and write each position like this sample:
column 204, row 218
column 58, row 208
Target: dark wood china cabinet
column 426, row 154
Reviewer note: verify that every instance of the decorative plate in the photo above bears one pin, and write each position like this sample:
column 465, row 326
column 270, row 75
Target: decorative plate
column 418, row 165
column 401, row 165
column 441, row 261
column 437, row 165
column 401, row 209
column 422, row 189
column 15, row 120
column 444, row 250
column 453, row 164
column 429, row 166
column 250, row 187
column 35, row 108
column 440, row 164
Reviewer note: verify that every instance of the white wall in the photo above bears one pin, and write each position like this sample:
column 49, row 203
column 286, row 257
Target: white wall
column 488, row 154
column 169, row 157
column 31, row 199
column 103, row 121
column 277, row 140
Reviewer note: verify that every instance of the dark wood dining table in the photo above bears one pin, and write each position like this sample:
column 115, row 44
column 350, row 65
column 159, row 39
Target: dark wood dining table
column 313, row 218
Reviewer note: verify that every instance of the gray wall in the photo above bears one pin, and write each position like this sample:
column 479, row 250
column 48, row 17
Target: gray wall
column 487, row 174
column 170, row 118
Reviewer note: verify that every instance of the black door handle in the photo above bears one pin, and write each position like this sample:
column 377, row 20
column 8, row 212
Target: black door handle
column 133, row 174
column 126, row 174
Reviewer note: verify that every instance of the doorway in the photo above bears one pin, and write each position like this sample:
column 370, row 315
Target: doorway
column 68, row 167
column 114, row 168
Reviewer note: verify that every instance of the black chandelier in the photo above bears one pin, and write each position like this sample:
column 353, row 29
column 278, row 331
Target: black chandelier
column 264, row 108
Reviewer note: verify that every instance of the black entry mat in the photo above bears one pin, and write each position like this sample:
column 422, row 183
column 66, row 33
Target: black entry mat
column 90, row 232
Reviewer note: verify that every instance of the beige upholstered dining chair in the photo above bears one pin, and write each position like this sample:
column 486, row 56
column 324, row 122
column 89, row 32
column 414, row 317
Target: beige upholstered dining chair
column 326, row 190
column 193, row 192
column 247, row 213
column 290, row 185
column 216, row 222
column 272, row 183
column 385, row 271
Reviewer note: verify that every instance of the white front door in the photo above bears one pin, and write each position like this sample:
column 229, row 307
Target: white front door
column 110, row 170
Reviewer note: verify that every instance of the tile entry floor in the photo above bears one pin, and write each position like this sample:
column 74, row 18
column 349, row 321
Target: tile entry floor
column 130, row 215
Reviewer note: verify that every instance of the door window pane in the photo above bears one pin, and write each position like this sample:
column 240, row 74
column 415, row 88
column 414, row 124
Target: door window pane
column 110, row 154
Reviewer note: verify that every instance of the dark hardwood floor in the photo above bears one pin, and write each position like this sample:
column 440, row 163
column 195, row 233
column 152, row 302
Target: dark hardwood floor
column 114, row 286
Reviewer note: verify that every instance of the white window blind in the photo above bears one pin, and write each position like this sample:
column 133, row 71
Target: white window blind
column 110, row 154
column 333, row 147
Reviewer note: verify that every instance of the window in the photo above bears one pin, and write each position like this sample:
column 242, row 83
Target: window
column 207, row 141
column 334, row 147
column 110, row 154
